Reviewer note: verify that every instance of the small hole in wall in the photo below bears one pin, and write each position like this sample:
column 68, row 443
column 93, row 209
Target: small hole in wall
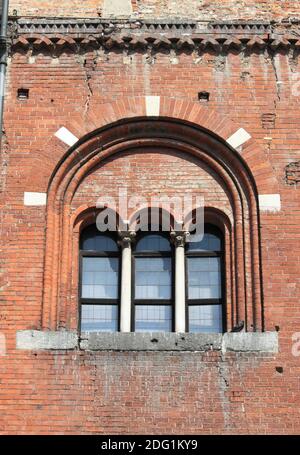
column 23, row 94
column 203, row 96
column 279, row 370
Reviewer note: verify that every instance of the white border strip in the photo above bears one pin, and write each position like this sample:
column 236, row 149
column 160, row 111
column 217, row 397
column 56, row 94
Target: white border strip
column 66, row 136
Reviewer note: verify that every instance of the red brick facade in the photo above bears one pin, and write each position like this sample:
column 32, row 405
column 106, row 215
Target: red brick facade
column 97, row 86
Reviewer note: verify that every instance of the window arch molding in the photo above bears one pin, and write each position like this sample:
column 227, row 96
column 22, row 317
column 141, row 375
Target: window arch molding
column 184, row 137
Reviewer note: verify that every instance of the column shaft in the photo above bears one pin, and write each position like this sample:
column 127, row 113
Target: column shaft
column 179, row 239
column 125, row 323
column 126, row 304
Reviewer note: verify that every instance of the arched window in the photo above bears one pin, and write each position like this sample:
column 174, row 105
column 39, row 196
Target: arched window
column 151, row 305
column 205, row 286
column 100, row 276
column 153, row 290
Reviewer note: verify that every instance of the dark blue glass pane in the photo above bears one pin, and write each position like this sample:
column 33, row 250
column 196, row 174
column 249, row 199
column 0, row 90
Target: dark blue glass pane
column 210, row 242
column 153, row 243
column 93, row 240
column 99, row 243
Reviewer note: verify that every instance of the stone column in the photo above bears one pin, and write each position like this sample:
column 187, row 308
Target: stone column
column 125, row 241
column 179, row 239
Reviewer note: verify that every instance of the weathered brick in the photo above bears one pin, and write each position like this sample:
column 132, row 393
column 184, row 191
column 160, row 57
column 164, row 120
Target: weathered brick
column 78, row 392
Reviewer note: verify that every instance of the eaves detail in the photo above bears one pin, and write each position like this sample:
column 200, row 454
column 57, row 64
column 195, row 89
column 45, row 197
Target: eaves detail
column 83, row 34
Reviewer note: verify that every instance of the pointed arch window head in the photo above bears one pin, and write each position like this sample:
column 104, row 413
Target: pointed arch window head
column 100, row 277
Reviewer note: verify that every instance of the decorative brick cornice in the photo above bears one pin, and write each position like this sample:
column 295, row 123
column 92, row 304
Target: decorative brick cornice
column 81, row 34
column 71, row 26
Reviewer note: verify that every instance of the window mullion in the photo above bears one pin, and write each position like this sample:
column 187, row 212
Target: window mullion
column 179, row 239
column 126, row 273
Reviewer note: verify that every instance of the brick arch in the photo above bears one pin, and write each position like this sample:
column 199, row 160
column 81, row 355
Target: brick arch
column 199, row 114
column 153, row 133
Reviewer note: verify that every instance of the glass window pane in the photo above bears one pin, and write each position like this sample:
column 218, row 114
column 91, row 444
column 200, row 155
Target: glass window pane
column 205, row 318
column 104, row 243
column 153, row 278
column 204, row 278
column 99, row 318
column 153, row 243
column 100, row 278
column 93, row 240
column 153, row 318
column 210, row 242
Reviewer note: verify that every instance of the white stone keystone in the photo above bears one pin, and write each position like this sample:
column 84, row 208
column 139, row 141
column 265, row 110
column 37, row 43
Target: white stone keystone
column 152, row 106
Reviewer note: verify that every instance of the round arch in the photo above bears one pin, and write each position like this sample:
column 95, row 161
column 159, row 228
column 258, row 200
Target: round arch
column 129, row 135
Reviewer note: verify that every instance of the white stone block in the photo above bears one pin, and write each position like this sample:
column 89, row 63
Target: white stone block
column 269, row 202
column 35, row 198
column 152, row 106
column 37, row 340
column 250, row 342
column 66, row 136
column 239, row 138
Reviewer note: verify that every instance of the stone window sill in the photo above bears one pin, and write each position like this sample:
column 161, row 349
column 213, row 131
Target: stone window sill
column 189, row 342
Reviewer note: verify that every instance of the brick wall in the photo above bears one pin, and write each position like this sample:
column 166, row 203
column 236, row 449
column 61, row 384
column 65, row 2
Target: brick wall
column 198, row 9
column 81, row 392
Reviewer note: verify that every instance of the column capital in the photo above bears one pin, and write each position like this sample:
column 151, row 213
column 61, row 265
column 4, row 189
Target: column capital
column 179, row 238
column 126, row 238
